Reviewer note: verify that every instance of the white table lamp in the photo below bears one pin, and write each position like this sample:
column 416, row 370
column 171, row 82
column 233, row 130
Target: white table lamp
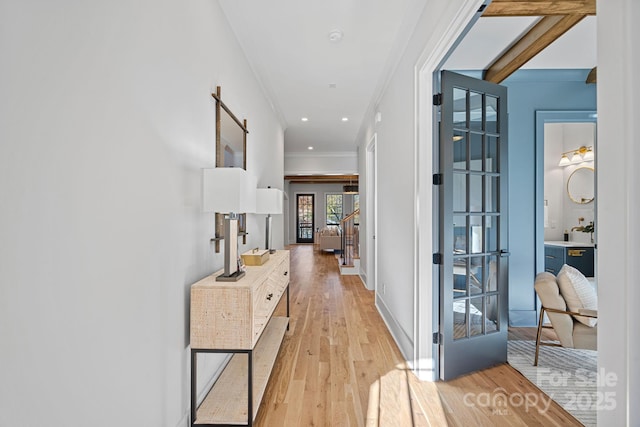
column 229, row 191
column 269, row 201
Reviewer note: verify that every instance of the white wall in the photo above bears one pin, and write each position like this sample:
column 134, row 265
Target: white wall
column 106, row 120
column 320, row 163
column 404, row 169
column 618, row 208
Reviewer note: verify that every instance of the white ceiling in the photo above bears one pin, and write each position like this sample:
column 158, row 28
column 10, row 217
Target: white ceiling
column 287, row 43
column 490, row 37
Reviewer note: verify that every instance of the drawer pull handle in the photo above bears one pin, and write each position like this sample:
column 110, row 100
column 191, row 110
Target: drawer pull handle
column 575, row 252
column 286, row 272
column 269, row 297
column 550, row 256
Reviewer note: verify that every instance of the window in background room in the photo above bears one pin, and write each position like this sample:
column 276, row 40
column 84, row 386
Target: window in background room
column 334, row 209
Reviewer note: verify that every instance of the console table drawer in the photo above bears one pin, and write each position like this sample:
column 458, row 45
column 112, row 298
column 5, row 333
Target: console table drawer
column 233, row 315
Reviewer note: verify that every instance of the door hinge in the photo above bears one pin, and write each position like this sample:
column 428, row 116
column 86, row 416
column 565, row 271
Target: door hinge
column 437, row 99
column 482, row 8
column 437, row 258
column 437, row 179
column 437, row 338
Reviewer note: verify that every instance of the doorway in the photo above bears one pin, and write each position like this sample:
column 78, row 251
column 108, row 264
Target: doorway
column 305, row 219
column 558, row 210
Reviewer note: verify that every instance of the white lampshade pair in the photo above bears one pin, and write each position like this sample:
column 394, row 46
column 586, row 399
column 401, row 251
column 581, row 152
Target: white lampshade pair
column 228, row 190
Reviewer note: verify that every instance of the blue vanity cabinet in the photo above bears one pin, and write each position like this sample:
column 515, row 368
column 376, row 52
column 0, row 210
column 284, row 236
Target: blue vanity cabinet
column 578, row 256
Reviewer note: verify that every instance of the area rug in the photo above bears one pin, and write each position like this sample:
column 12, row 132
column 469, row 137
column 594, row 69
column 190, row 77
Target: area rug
column 567, row 376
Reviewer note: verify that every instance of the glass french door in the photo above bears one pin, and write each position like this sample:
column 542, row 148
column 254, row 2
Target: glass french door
column 473, row 225
column 304, row 218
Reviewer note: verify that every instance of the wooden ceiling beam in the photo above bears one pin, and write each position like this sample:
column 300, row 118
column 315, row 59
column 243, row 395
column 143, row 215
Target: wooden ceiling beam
column 540, row 7
column 324, row 179
column 545, row 32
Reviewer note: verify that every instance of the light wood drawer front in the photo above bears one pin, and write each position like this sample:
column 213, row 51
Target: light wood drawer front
column 282, row 272
column 221, row 319
column 267, row 295
column 264, row 302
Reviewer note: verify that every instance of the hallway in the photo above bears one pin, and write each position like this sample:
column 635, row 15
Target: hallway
column 339, row 366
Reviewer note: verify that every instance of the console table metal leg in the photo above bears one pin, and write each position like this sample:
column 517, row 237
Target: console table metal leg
column 288, row 306
column 194, row 359
column 250, row 390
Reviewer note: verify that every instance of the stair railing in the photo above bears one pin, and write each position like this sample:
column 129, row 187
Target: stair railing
column 350, row 242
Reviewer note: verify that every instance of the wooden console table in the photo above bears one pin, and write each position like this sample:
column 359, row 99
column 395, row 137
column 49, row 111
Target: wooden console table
column 237, row 318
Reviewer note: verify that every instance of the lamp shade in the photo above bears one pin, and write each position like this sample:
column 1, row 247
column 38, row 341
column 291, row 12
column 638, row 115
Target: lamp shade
column 576, row 158
column 228, row 190
column 588, row 155
column 269, row 201
column 564, row 161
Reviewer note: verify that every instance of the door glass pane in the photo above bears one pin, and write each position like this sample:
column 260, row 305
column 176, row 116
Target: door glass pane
column 459, row 234
column 491, row 232
column 491, row 323
column 460, row 274
column 492, row 114
column 476, row 275
column 492, row 154
column 305, row 218
column 492, row 273
column 476, row 152
column 476, row 315
column 476, row 234
column 460, row 319
column 491, row 194
column 459, row 192
column 475, row 110
column 475, row 193
column 459, row 149
column 460, row 107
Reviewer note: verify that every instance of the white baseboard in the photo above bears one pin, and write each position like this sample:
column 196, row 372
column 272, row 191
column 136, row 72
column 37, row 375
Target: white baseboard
column 404, row 342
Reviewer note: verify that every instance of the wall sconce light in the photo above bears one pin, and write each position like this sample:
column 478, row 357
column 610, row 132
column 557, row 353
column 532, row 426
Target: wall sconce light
column 268, row 201
column 582, row 154
column 229, row 191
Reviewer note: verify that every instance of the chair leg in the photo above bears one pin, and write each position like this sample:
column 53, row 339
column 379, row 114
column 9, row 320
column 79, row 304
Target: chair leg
column 538, row 336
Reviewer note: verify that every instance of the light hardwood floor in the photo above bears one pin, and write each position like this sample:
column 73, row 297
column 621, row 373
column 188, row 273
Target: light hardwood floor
column 339, row 366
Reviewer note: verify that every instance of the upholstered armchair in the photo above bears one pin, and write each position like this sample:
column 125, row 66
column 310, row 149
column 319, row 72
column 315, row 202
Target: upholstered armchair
column 575, row 327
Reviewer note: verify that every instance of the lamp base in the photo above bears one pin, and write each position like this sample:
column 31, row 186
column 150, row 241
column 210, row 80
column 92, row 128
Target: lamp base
column 234, row 277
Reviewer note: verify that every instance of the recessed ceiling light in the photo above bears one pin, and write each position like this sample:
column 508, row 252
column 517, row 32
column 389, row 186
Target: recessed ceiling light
column 345, row 119
column 304, row 119
column 335, row 35
column 309, row 148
